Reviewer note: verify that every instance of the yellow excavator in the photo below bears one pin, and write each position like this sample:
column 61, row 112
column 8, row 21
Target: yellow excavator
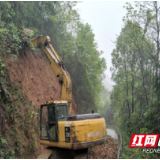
column 58, row 128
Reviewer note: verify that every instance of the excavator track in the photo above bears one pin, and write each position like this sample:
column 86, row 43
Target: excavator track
column 60, row 153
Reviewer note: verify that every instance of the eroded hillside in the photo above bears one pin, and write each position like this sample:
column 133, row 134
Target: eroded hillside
column 28, row 81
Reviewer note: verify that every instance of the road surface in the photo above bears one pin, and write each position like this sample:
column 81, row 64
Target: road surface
column 112, row 133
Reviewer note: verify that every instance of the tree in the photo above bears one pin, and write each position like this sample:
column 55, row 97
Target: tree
column 136, row 72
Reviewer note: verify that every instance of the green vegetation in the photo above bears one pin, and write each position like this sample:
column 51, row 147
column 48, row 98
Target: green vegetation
column 73, row 41
column 4, row 152
column 106, row 109
column 20, row 123
column 136, row 72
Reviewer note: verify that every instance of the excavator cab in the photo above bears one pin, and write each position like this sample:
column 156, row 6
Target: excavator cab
column 50, row 114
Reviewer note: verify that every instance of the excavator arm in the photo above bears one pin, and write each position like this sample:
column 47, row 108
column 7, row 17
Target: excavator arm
column 44, row 43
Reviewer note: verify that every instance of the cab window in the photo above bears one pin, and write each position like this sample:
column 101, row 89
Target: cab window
column 62, row 111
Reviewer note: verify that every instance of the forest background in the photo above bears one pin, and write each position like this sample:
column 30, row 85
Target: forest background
column 133, row 104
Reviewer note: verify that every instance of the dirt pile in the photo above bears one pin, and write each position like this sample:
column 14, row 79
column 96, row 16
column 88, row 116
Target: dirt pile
column 108, row 150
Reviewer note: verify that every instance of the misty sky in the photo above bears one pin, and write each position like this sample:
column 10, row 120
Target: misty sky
column 105, row 18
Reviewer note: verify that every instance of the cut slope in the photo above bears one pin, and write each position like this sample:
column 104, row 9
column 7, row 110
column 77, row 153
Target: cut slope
column 31, row 82
column 32, row 71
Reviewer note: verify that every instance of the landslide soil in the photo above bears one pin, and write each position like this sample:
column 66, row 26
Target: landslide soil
column 108, row 150
column 32, row 71
column 31, row 82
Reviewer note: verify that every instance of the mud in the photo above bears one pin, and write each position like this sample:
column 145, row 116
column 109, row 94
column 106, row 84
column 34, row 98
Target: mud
column 108, row 150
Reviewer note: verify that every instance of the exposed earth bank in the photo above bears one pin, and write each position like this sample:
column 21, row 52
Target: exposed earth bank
column 28, row 82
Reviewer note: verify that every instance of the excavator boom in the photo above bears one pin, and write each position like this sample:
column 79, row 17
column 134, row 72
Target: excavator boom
column 44, row 43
